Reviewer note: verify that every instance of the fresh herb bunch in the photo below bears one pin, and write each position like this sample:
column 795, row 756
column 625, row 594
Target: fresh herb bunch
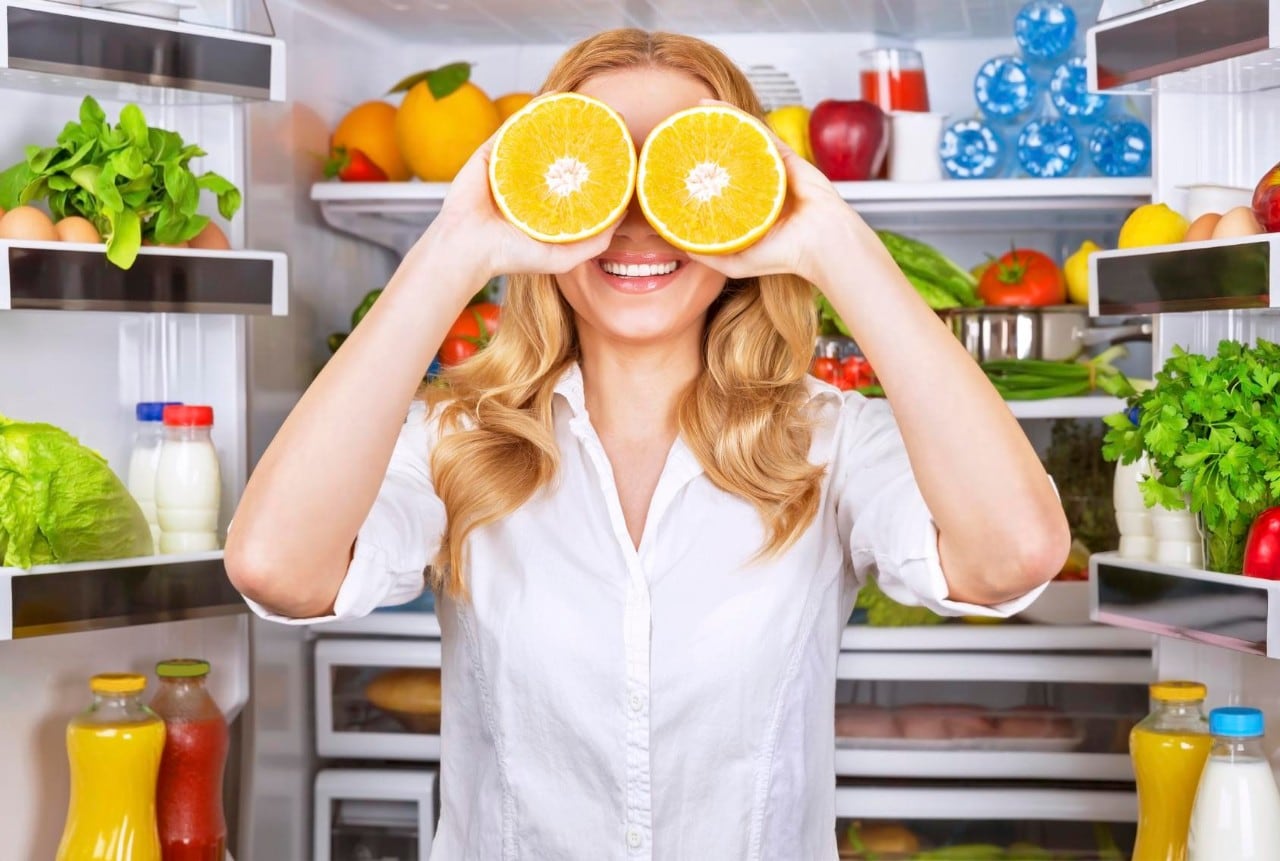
column 131, row 180
column 1211, row 428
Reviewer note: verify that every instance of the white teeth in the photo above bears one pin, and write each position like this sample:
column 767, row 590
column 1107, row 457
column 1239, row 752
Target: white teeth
column 639, row 270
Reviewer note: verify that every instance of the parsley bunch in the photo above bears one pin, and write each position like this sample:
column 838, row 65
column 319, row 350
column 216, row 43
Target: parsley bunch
column 132, row 181
column 1211, row 429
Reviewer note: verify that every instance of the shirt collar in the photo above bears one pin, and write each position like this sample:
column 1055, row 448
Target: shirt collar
column 570, row 388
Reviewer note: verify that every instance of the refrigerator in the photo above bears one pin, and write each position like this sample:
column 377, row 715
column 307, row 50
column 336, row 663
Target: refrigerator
column 317, row 770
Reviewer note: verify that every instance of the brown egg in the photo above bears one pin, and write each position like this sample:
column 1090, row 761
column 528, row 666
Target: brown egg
column 73, row 228
column 211, row 239
column 1237, row 222
column 1202, row 228
column 27, row 223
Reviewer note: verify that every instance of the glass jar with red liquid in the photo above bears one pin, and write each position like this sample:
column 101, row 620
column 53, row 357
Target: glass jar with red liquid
column 893, row 79
column 189, row 792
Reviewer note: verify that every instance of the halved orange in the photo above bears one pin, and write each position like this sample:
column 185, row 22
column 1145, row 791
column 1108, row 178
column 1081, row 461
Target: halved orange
column 711, row 180
column 563, row 168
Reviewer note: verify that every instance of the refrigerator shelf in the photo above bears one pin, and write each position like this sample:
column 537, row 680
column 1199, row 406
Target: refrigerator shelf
column 962, row 801
column 1090, row 407
column 982, row 764
column 1225, row 610
column 395, row 214
column 973, row 666
column 66, row 276
column 1199, row 46
column 1214, row 275
column 90, row 596
column 1006, row 637
column 61, row 48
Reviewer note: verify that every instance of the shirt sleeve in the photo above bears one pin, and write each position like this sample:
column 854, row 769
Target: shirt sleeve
column 889, row 528
column 400, row 536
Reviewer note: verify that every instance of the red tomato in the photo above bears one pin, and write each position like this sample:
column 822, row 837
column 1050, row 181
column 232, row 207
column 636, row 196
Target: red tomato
column 857, row 370
column 828, row 370
column 1023, row 277
column 478, row 321
column 454, row 350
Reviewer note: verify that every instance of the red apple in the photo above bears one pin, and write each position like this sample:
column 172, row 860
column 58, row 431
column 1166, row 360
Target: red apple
column 1266, row 200
column 850, row 139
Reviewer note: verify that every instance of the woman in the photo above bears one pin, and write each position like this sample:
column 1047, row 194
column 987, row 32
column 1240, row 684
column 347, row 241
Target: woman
column 648, row 524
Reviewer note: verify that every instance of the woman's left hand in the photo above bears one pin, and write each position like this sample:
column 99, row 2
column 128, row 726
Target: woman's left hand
column 813, row 219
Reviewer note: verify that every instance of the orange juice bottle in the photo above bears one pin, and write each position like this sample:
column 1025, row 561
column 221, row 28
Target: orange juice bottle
column 1168, row 748
column 114, row 749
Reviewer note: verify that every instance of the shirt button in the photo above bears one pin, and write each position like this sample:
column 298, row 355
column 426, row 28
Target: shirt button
column 633, row 838
column 637, row 702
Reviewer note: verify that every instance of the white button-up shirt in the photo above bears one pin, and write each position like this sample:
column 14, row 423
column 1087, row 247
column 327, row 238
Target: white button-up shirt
column 674, row 701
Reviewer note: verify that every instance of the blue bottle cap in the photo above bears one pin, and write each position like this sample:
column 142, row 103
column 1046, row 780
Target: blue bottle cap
column 153, row 411
column 1237, row 722
column 1134, row 414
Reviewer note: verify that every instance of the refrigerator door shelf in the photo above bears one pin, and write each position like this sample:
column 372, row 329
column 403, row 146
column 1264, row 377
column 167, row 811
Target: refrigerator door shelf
column 1207, row 46
column 348, row 725
column 63, row 276
column 65, row 599
column 64, row 48
column 1225, row 610
column 968, row 802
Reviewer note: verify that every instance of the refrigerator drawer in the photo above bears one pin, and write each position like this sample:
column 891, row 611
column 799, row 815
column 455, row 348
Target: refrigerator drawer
column 372, row 813
column 378, row 699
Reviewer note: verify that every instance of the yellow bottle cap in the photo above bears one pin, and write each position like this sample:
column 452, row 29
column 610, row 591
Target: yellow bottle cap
column 1178, row 692
column 118, row 683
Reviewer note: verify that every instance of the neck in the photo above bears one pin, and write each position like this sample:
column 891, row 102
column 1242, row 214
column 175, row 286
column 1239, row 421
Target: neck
column 634, row 390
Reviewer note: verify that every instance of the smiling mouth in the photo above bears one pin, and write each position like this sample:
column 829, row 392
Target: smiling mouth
column 639, row 270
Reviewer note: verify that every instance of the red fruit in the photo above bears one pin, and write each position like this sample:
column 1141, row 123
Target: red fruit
column 1262, row 549
column 479, row 322
column 352, row 165
column 828, row 370
column 1023, row 278
column 1266, row 200
column 857, row 370
column 850, row 139
column 454, row 350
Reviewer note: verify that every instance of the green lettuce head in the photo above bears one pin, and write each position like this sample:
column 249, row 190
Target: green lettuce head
column 60, row 502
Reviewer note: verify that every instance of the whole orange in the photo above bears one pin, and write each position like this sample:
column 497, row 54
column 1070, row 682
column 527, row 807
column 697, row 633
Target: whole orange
column 371, row 128
column 510, row 103
column 437, row 136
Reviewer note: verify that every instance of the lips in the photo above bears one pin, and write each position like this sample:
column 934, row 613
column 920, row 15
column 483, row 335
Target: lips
column 639, row 272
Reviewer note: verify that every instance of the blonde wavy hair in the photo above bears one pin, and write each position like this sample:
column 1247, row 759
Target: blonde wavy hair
column 745, row 417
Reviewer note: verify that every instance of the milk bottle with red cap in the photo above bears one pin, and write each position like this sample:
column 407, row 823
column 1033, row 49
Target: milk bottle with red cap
column 188, row 482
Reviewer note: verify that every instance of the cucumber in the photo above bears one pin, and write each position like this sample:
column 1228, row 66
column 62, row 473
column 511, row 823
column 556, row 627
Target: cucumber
column 926, row 263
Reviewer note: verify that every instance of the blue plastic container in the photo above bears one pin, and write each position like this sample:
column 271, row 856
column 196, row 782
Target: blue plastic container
column 1121, row 148
column 1048, row 148
column 972, row 149
column 1069, row 92
column 1045, row 31
column 1005, row 91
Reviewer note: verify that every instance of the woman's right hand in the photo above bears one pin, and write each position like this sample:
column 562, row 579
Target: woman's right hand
column 471, row 226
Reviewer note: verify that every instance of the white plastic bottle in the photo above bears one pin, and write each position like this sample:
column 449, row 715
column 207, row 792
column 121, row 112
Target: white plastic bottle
column 1133, row 518
column 188, row 482
column 145, row 458
column 1236, row 816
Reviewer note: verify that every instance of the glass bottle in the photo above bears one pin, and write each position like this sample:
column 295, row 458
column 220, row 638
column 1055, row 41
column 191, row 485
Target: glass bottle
column 1168, row 749
column 114, row 750
column 189, row 809
column 1237, row 808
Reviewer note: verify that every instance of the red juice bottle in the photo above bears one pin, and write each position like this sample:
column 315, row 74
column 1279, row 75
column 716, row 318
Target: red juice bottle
column 189, row 792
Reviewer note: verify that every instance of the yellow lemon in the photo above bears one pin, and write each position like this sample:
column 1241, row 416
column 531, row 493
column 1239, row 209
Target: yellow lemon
column 791, row 123
column 1153, row 224
column 1076, row 271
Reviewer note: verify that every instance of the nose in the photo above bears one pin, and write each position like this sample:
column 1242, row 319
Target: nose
column 634, row 226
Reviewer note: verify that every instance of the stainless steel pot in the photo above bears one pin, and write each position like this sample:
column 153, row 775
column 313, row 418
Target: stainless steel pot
column 1055, row 332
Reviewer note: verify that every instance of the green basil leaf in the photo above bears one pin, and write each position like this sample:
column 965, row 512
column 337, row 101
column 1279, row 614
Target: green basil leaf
column 91, row 113
column 229, row 197
column 60, row 182
column 12, row 182
column 134, row 125
column 128, row 163
column 179, row 185
column 442, row 82
column 37, row 189
column 105, row 189
column 86, row 176
column 71, row 159
column 125, row 239
column 192, row 227
column 164, row 145
column 40, row 163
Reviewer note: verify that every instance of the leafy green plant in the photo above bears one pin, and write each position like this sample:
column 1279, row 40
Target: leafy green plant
column 134, row 182
column 1211, row 429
